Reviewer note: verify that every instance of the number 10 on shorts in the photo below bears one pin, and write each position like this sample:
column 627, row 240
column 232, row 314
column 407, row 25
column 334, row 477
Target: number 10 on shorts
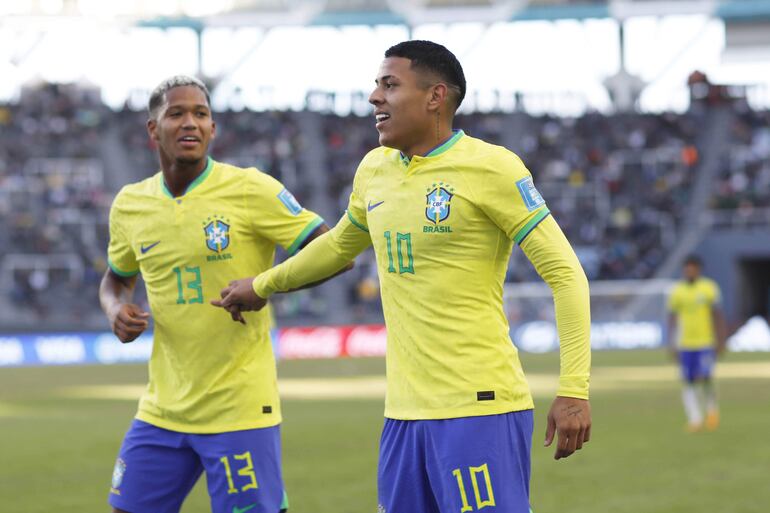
column 474, row 473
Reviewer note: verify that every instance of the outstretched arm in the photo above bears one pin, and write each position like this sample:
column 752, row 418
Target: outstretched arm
column 327, row 255
column 555, row 261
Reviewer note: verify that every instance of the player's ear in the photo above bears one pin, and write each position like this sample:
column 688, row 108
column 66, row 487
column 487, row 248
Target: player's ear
column 438, row 96
column 152, row 129
column 213, row 129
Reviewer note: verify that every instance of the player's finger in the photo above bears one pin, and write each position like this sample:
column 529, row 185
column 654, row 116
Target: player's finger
column 562, row 444
column 579, row 439
column 216, row 302
column 587, row 435
column 549, row 431
column 130, row 320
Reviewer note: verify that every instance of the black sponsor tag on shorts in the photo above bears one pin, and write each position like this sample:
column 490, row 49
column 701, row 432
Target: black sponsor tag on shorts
column 486, row 395
column 267, row 409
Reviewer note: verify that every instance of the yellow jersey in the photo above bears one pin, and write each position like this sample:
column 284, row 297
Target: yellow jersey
column 693, row 305
column 207, row 374
column 446, row 222
column 443, row 227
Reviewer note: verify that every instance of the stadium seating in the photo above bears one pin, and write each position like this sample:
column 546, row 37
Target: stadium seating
column 617, row 184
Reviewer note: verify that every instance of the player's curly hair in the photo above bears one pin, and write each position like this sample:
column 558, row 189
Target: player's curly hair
column 158, row 96
column 433, row 58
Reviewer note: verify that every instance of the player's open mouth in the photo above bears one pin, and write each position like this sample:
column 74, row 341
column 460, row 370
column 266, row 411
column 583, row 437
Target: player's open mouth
column 189, row 141
column 381, row 119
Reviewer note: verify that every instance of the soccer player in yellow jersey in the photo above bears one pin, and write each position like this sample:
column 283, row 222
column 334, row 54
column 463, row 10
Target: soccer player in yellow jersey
column 697, row 336
column 443, row 210
column 211, row 403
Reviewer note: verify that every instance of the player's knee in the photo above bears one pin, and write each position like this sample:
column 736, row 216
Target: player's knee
column 116, row 510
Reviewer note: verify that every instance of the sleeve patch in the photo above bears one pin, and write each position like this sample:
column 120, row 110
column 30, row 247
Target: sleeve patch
column 530, row 195
column 290, row 202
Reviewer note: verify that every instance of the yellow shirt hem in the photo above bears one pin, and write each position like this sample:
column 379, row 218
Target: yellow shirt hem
column 472, row 410
column 269, row 421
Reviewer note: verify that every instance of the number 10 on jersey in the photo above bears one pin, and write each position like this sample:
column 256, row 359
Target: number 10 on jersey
column 403, row 252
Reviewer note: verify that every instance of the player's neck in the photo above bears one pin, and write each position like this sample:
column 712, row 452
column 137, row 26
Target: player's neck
column 179, row 175
column 432, row 140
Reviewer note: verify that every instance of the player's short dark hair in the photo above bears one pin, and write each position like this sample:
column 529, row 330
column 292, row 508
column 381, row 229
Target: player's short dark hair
column 158, row 96
column 694, row 260
column 433, row 58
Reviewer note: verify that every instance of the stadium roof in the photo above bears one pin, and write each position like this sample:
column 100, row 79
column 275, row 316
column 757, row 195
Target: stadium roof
column 265, row 13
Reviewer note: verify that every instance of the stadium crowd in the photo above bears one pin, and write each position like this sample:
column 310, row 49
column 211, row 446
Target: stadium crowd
column 617, row 185
column 742, row 188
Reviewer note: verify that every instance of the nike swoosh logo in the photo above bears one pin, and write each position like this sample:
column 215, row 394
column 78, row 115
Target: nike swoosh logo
column 145, row 249
column 236, row 509
column 372, row 207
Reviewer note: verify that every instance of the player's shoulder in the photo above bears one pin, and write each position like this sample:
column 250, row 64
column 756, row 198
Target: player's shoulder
column 708, row 283
column 376, row 159
column 489, row 160
column 250, row 180
column 136, row 193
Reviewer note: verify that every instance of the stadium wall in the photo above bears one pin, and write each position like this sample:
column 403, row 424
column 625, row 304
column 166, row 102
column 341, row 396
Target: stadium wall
column 739, row 261
column 323, row 342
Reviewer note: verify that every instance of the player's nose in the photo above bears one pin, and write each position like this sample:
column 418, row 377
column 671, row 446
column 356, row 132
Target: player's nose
column 375, row 98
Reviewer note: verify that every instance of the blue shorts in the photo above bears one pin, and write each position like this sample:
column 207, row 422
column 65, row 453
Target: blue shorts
column 157, row 468
column 456, row 465
column 697, row 365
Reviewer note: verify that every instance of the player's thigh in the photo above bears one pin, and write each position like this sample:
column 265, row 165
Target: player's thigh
column 705, row 364
column 243, row 470
column 482, row 463
column 688, row 365
column 155, row 470
column 402, row 480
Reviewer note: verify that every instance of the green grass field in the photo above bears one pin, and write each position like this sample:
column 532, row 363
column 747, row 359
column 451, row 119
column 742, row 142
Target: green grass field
column 57, row 447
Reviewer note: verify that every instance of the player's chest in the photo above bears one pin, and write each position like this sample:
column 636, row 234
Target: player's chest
column 432, row 211
column 190, row 231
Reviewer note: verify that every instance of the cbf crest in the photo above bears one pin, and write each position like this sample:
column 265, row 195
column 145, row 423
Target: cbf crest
column 217, row 232
column 118, row 472
column 438, row 202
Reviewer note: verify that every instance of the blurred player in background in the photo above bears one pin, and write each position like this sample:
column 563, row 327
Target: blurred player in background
column 443, row 211
column 696, row 337
column 211, row 403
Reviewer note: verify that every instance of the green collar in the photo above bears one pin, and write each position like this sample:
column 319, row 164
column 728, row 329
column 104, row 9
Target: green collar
column 195, row 183
column 441, row 148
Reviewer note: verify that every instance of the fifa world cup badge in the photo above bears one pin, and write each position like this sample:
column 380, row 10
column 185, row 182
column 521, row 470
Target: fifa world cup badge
column 117, row 473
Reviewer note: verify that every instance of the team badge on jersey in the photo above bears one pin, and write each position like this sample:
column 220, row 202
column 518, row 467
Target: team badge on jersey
column 438, row 204
column 117, row 473
column 530, row 195
column 217, row 235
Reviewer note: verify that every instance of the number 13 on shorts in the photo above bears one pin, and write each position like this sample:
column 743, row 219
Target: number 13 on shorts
column 246, row 470
column 481, row 485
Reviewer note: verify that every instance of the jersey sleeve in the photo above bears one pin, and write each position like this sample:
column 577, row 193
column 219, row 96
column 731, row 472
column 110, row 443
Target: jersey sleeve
column 671, row 301
column 356, row 211
column 278, row 216
column 120, row 254
column 716, row 294
column 508, row 196
column 555, row 261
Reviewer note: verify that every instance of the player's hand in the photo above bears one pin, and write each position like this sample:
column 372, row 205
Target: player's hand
column 239, row 297
column 571, row 419
column 128, row 321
